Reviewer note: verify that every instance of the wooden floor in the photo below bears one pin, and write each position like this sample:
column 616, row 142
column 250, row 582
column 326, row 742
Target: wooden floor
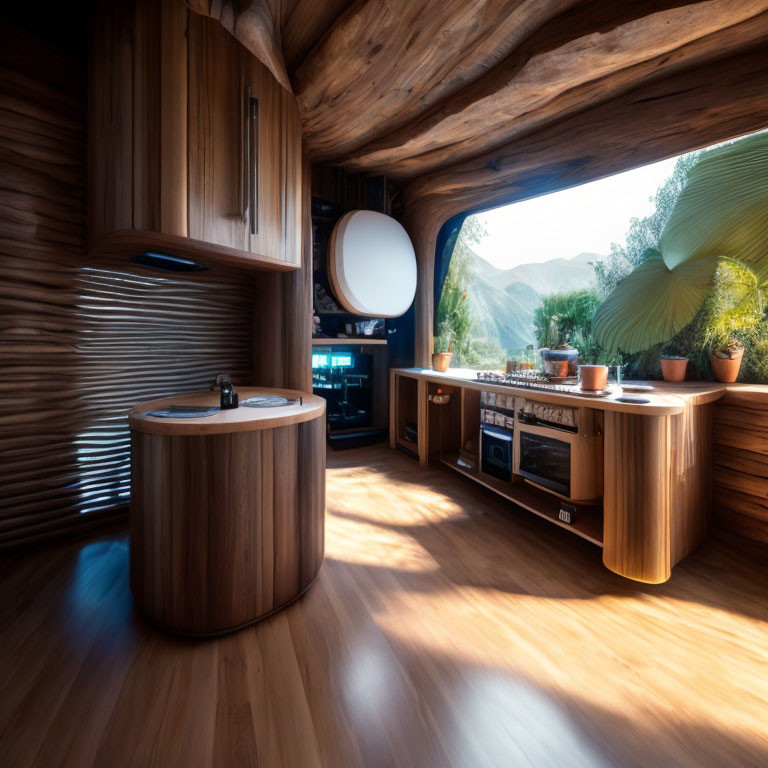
column 446, row 628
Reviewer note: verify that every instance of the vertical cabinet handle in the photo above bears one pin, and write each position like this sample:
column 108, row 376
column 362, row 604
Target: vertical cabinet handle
column 249, row 162
column 245, row 153
column 253, row 164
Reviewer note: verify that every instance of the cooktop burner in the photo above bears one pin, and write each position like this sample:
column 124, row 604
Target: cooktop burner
column 528, row 379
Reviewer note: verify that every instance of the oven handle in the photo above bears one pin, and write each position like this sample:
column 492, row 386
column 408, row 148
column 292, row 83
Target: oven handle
column 498, row 435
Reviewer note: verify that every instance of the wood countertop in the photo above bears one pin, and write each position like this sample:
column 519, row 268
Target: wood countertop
column 242, row 419
column 666, row 399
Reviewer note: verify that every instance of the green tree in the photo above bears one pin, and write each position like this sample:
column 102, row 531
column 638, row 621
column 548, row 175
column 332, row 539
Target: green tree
column 454, row 320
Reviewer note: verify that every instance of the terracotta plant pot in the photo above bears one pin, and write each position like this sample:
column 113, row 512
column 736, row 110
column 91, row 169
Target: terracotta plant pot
column 594, row 378
column 674, row 368
column 441, row 361
column 726, row 369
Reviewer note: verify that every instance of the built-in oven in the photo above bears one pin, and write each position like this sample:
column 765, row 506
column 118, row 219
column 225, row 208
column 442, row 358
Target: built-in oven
column 497, row 451
column 560, row 449
column 546, row 461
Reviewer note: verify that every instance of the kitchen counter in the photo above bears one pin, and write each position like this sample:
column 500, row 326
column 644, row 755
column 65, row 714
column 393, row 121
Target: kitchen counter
column 646, row 467
column 666, row 399
column 227, row 511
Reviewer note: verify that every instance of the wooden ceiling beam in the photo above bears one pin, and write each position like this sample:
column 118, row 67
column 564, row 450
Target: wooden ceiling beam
column 692, row 109
column 546, row 80
column 383, row 64
column 304, row 22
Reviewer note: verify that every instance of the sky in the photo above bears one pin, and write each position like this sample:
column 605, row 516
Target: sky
column 585, row 219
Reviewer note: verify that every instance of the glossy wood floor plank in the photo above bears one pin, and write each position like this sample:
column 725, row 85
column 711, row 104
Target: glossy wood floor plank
column 446, row 628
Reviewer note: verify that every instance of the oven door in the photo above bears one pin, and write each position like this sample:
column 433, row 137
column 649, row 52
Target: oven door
column 545, row 461
column 496, row 452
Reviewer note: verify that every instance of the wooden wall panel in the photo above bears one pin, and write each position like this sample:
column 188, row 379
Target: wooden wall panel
column 741, row 462
column 82, row 341
column 282, row 314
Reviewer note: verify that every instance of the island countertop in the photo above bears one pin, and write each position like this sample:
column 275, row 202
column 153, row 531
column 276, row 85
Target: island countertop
column 666, row 399
column 242, row 419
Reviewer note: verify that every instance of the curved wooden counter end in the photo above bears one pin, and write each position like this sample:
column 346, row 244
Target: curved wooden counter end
column 227, row 512
column 658, row 489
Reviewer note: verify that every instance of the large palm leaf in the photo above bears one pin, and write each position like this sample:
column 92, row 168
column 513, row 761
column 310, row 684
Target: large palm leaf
column 722, row 212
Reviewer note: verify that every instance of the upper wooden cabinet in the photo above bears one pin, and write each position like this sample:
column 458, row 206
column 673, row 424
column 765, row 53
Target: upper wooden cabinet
column 193, row 145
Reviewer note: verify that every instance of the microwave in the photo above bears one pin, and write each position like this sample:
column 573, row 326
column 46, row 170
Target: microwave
column 566, row 460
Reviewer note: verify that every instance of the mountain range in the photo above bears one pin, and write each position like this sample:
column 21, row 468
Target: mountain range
column 503, row 301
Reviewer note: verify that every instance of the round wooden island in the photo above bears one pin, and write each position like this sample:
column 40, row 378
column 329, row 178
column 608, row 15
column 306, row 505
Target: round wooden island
column 227, row 511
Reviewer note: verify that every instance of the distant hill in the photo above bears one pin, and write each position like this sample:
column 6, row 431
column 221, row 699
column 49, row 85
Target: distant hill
column 554, row 276
column 503, row 301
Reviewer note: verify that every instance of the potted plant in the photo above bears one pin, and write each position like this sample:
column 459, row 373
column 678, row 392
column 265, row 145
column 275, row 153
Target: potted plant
column 442, row 359
column 725, row 357
column 674, row 362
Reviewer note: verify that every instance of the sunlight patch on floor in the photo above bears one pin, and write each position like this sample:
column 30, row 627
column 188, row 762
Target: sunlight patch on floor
column 355, row 541
column 573, row 643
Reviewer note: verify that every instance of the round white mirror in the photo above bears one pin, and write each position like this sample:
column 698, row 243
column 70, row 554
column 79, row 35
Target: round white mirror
column 372, row 264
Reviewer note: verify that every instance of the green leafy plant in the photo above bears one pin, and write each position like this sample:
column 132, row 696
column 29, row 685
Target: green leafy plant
column 642, row 240
column 733, row 309
column 565, row 318
column 674, row 349
column 454, row 323
column 720, row 214
column 454, row 320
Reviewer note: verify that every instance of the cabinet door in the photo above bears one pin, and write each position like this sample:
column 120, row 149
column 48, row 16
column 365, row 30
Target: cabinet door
column 291, row 178
column 217, row 205
column 274, row 169
column 264, row 161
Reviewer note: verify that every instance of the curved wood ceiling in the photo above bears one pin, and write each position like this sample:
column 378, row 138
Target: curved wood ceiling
column 407, row 88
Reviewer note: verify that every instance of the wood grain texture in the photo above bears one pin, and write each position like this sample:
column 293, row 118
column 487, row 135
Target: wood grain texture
column 584, row 56
column 169, row 121
column 82, row 339
column 225, row 528
column 433, row 636
column 128, row 242
column 256, row 25
column 400, row 88
column 665, row 400
column 741, row 461
column 282, row 313
column 658, row 490
column 216, row 101
column 242, row 419
column 652, row 470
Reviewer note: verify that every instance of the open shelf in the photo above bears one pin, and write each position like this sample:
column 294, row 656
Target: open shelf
column 589, row 519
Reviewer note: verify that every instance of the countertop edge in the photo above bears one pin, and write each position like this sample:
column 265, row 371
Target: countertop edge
column 277, row 417
column 674, row 403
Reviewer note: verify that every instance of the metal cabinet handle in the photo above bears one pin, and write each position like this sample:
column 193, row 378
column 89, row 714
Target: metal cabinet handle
column 245, row 152
column 248, row 209
column 252, row 177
